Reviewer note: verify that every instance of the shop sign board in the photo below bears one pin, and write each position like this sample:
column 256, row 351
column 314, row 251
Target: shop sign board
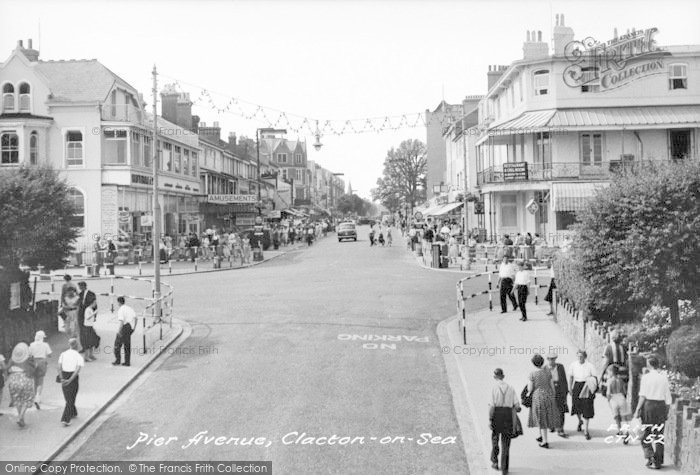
column 275, row 214
column 226, row 199
column 515, row 171
column 110, row 211
column 137, row 179
column 244, row 221
column 146, row 220
column 532, row 207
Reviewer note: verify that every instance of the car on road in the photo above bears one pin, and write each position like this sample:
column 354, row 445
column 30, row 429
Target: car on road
column 346, row 231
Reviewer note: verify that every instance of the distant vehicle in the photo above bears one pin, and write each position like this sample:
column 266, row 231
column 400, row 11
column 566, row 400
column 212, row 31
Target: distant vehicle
column 364, row 221
column 347, row 231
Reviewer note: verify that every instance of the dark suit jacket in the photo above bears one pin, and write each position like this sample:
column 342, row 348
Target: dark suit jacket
column 90, row 298
column 563, row 383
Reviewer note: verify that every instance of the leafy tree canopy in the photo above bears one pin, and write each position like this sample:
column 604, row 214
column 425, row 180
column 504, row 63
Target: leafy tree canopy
column 37, row 217
column 637, row 242
column 353, row 204
column 404, row 178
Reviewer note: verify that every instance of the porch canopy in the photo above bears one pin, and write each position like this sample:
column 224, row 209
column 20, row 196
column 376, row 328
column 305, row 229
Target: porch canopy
column 598, row 118
column 573, row 196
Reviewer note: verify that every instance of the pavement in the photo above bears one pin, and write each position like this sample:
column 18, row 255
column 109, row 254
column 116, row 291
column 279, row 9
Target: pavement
column 179, row 267
column 100, row 383
column 496, row 340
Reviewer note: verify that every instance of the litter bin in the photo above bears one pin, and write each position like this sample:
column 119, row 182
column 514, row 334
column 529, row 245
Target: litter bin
column 257, row 254
column 444, row 256
column 435, row 255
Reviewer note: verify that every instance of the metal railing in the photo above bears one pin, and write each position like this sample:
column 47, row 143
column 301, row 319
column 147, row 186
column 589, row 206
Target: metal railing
column 564, row 170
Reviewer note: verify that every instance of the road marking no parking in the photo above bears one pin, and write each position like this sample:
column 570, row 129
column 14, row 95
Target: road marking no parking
column 376, row 342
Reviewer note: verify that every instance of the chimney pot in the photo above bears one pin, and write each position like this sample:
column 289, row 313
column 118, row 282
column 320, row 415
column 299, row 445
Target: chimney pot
column 556, row 21
column 539, row 36
column 527, row 36
column 20, row 44
column 562, row 20
column 29, row 42
column 216, row 124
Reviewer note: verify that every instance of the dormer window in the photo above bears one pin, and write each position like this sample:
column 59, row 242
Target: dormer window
column 8, row 98
column 540, row 80
column 677, row 76
column 25, row 98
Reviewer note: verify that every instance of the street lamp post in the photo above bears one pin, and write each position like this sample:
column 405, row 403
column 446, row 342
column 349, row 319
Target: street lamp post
column 155, row 235
column 333, row 175
column 257, row 153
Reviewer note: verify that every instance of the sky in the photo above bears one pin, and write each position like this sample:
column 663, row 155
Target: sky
column 321, row 60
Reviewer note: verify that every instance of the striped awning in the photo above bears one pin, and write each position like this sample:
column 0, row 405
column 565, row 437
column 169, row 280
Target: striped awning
column 430, row 210
column 573, row 196
column 447, row 208
column 628, row 117
column 525, row 123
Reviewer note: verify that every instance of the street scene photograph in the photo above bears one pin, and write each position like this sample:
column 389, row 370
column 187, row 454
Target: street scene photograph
column 349, row 237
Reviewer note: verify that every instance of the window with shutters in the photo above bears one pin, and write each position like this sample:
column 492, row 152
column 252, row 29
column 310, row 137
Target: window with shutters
column 8, row 97
column 540, row 80
column 25, row 97
column 678, row 76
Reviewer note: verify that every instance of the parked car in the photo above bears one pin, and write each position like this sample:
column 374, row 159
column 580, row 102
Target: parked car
column 347, row 230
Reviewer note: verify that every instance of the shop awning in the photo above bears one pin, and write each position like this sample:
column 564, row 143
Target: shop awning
column 628, row 117
column 447, row 208
column 429, row 210
column 525, row 123
column 573, row 196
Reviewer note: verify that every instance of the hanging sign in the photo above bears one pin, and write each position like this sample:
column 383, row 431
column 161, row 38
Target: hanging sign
column 532, row 206
column 515, row 171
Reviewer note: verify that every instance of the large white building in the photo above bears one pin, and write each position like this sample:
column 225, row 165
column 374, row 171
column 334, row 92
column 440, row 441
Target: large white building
column 88, row 123
column 556, row 125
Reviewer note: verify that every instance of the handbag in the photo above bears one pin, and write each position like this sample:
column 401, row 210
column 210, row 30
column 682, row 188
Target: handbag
column 61, row 324
column 517, row 425
column 525, row 398
column 59, row 379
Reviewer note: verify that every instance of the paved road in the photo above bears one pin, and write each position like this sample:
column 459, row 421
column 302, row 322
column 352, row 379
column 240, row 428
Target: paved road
column 327, row 356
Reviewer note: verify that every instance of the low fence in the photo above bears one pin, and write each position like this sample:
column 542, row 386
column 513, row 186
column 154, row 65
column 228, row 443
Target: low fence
column 682, row 431
column 155, row 311
column 462, row 297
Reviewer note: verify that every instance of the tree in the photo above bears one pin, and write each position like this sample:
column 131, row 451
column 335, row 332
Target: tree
column 404, row 177
column 637, row 240
column 37, row 216
column 353, row 204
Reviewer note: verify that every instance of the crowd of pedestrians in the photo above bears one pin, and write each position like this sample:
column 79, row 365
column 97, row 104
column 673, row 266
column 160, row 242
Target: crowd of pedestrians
column 25, row 372
column 547, row 394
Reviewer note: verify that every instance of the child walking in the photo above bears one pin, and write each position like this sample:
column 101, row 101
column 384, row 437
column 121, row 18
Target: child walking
column 617, row 398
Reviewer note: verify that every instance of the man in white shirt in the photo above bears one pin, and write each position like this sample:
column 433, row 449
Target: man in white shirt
column 506, row 274
column 69, row 364
column 127, row 324
column 503, row 401
column 654, row 402
column 522, row 287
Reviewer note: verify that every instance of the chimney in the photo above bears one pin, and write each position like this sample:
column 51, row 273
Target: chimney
column 494, row 73
column 534, row 47
column 168, row 98
column 232, row 139
column 212, row 133
column 184, row 110
column 194, row 127
column 561, row 36
column 30, row 53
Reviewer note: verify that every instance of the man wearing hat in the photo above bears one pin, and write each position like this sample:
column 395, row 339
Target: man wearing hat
column 561, row 390
column 503, row 403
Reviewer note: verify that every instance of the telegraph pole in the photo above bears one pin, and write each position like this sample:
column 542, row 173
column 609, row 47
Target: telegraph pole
column 156, row 203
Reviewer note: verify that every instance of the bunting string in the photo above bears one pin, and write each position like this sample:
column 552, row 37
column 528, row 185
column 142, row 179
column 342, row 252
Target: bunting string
column 300, row 124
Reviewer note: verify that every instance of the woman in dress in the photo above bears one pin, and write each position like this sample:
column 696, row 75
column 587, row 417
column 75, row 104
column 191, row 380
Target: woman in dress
column 71, row 301
column 246, row 250
column 581, row 373
column 20, row 381
column 550, row 291
column 91, row 339
column 40, row 351
column 561, row 390
column 453, row 252
column 543, row 412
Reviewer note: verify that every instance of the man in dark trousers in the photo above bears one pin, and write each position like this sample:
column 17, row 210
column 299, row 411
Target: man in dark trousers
column 654, row 403
column 87, row 298
column 69, row 364
column 503, row 403
column 506, row 274
column 127, row 324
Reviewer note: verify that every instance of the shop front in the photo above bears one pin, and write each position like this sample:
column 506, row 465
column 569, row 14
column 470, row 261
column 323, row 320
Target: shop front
column 229, row 212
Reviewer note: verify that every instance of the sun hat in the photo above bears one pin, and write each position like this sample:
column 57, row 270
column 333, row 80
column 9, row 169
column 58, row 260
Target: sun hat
column 552, row 355
column 20, row 353
column 39, row 335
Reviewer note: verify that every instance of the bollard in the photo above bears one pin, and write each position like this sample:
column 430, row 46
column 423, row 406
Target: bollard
column 170, row 267
column 140, row 266
column 464, row 312
column 490, row 294
column 230, row 261
column 144, row 334
column 111, row 294
column 536, row 297
column 195, row 263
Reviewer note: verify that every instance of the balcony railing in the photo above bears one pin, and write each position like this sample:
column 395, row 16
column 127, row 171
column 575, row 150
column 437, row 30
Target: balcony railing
column 508, row 173
column 121, row 113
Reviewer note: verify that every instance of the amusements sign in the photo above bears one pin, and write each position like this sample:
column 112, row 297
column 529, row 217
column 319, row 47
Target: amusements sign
column 226, row 199
column 615, row 63
column 515, row 171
